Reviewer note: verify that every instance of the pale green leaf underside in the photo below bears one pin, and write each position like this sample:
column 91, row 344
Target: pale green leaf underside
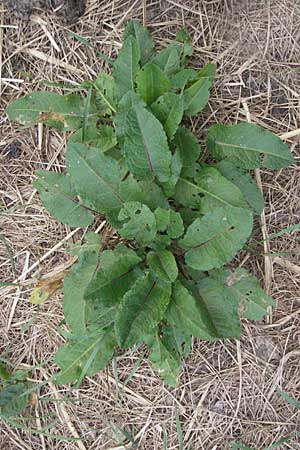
column 248, row 146
column 213, row 240
column 59, row 197
column 142, row 307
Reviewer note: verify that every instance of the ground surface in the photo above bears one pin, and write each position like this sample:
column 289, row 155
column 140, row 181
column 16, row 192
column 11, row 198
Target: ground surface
column 228, row 390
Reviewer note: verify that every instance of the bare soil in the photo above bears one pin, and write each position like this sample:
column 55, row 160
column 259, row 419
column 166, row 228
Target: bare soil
column 71, row 10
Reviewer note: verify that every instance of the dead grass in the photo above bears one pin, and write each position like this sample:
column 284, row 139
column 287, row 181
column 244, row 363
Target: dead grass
column 228, row 389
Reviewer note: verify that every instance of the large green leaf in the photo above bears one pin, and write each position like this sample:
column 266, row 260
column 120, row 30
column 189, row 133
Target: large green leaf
column 101, row 136
column 146, row 146
column 169, row 221
column 142, row 307
column 227, row 295
column 169, row 59
column 187, row 145
column 59, row 197
column 143, row 37
column 64, row 112
column 138, row 223
column 74, row 304
column 165, row 361
column 163, row 265
column 115, row 276
column 209, row 190
column 196, row 96
column 105, row 93
column 168, row 109
column 213, row 240
column 248, row 146
column 13, row 399
column 127, row 66
column 98, row 179
column 90, row 353
column 245, row 183
column 182, row 78
column 189, row 315
column 151, row 83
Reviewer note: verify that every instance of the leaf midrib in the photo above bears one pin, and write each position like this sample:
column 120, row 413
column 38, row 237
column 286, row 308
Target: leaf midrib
column 206, row 192
column 239, row 147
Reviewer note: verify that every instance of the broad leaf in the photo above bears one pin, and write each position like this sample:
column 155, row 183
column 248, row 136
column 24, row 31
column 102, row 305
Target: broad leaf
column 187, row 145
column 151, row 83
column 59, row 197
column 176, row 167
column 169, row 59
column 163, row 265
column 245, row 183
column 127, row 66
column 64, row 112
column 90, row 353
column 101, row 136
column 98, row 179
column 115, row 276
column 146, row 147
column 182, row 78
column 227, row 295
column 74, row 304
column 144, row 39
column 189, row 315
column 248, row 146
column 168, row 109
column 175, row 340
column 105, row 93
column 125, row 106
column 209, row 190
column 213, row 240
column 169, row 221
column 184, row 38
column 165, row 361
column 142, row 307
column 138, row 222
column 13, row 399
column 196, row 96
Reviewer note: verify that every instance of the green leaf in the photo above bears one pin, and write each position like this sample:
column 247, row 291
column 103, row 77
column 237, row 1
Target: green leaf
column 187, row 145
column 59, row 197
column 176, row 167
column 168, row 109
column 142, row 307
column 175, row 340
column 196, row 96
column 13, row 399
column 169, row 221
column 127, row 66
column 187, row 47
column 95, row 349
column 189, row 315
column 166, row 362
column 209, row 190
column 98, row 179
column 105, row 93
column 182, row 78
column 101, row 136
column 74, row 304
column 226, row 294
column 64, row 112
column 151, row 83
column 169, row 59
column 245, row 183
column 144, row 39
column 248, row 146
column 163, row 265
column 139, row 222
column 115, row 276
column 146, row 146
column 213, row 240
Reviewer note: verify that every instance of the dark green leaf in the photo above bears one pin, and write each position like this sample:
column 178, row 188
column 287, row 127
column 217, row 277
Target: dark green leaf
column 163, row 265
column 142, row 307
column 245, row 183
column 151, row 83
column 176, row 167
column 146, row 146
column 64, row 112
column 166, row 362
column 182, row 78
column 248, row 146
column 101, row 136
column 168, row 109
column 169, row 59
column 189, row 150
column 59, row 197
column 170, row 221
column 138, row 222
column 213, row 240
column 13, row 399
column 196, row 96
column 115, row 276
column 127, row 66
column 105, row 93
column 144, row 39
